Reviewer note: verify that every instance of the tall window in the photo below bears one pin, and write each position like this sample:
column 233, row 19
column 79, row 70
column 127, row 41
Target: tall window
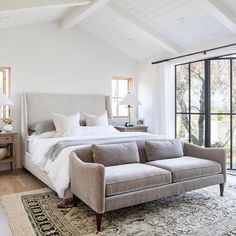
column 206, row 104
column 5, row 76
column 190, row 105
column 120, row 87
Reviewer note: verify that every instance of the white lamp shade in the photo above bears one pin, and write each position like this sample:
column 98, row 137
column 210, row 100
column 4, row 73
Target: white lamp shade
column 130, row 99
column 4, row 100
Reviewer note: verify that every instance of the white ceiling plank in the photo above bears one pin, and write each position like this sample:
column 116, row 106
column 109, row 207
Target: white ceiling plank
column 160, row 39
column 16, row 5
column 81, row 13
column 217, row 10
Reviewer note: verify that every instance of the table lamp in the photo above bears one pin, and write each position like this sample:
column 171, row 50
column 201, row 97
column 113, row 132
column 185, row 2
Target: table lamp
column 4, row 100
column 130, row 100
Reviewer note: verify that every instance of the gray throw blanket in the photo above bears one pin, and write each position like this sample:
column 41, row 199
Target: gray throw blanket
column 56, row 149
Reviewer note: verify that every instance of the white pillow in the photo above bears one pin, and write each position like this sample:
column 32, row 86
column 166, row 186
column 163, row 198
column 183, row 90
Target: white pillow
column 64, row 123
column 92, row 130
column 92, row 120
column 48, row 134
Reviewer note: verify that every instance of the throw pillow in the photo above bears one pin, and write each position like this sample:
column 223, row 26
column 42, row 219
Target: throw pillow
column 115, row 154
column 43, row 126
column 163, row 149
column 93, row 120
column 64, row 123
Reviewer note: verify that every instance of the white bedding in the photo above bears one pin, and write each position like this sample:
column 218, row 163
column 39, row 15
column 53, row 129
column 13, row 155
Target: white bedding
column 58, row 170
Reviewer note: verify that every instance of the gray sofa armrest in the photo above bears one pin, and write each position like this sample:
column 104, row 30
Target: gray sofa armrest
column 88, row 182
column 213, row 154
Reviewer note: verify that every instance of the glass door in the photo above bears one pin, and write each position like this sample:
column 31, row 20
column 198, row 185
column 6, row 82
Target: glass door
column 190, row 102
column 206, row 104
column 220, row 111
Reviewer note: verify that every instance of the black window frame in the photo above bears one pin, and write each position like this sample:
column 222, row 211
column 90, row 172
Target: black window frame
column 207, row 113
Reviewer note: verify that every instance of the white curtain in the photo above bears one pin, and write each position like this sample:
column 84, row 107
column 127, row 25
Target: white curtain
column 163, row 120
column 164, row 99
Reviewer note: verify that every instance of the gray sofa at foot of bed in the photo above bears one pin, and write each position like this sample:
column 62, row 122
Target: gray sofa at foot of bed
column 106, row 188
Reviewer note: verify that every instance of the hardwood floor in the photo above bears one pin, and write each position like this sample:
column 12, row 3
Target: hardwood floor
column 15, row 182
column 19, row 181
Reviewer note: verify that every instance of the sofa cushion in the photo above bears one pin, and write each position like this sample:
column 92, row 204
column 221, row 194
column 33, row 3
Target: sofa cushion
column 115, row 154
column 188, row 167
column 163, row 149
column 132, row 177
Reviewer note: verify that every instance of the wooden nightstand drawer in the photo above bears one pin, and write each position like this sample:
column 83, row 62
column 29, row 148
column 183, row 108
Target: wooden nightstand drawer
column 136, row 128
column 6, row 139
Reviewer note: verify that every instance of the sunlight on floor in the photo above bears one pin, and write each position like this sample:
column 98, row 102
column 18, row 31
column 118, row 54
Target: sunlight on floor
column 231, row 179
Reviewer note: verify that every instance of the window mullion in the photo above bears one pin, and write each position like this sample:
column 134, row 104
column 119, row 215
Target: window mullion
column 207, row 104
column 4, row 80
column 231, row 116
column 189, row 100
column 117, row 98
column 175, row 101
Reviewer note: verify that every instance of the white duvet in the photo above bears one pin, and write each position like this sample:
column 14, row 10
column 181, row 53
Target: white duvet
column 58, row 170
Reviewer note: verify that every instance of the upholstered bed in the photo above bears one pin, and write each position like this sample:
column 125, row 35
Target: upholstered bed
column 37, row 107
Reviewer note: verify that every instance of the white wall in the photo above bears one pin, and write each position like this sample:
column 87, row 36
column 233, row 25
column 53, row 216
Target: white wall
column 45, row 58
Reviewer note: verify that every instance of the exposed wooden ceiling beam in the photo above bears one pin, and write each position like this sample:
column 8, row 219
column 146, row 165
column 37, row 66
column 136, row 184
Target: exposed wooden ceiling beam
column 217, row 10
column 81, row 13
column 158, row 38
column 18, row 5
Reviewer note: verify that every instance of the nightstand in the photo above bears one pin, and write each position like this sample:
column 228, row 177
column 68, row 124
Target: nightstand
column 10, row 138
column 136, row 128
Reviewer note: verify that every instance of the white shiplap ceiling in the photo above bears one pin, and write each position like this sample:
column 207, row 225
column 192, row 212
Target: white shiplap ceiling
column 181, row 20
column 139, row 28
column 32, row 16
column 120, row 33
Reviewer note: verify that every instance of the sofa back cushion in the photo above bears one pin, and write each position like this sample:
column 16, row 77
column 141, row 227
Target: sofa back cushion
column 163, row 149
column 115, row 154
column 85, row 154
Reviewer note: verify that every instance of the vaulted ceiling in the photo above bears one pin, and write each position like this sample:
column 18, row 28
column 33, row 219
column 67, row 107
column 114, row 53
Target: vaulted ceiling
column 139, row 28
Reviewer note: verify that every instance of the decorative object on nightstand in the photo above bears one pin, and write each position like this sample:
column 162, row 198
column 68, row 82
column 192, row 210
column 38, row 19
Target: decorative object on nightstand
column 130, row 100
column 5, row 101
column 136, row 128
column 8, row 127
column 140, row 121
column 9, row 140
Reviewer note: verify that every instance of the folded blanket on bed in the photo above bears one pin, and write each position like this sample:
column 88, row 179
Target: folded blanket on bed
column 56, row 149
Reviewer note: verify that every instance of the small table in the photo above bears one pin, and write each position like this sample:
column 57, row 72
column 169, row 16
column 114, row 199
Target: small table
column 136, row 128
column 10, row 138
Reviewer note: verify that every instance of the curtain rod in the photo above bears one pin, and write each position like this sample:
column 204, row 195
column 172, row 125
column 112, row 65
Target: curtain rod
column 195, row 53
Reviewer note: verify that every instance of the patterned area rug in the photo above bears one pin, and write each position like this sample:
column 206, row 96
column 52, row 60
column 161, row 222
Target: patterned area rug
column 201, row 212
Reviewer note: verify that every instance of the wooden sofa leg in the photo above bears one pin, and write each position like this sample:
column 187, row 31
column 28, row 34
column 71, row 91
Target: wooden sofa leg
column 68, row 201
column 222, row 186
column 98, row 221
column 75, row 199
